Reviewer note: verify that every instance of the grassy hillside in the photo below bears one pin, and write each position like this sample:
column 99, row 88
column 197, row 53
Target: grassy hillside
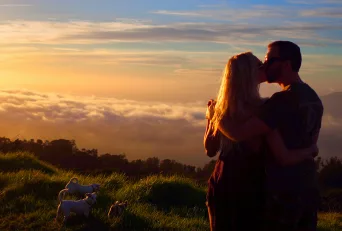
column 29, row 190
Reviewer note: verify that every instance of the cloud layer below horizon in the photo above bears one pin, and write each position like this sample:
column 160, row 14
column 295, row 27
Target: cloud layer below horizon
column 140, row 129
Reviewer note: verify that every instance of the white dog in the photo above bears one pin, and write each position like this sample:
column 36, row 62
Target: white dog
column 117, row 209
column 80, row 207
column 74, row 187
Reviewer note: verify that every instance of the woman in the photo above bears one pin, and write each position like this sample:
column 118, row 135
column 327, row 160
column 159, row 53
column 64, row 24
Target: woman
column 235, row 193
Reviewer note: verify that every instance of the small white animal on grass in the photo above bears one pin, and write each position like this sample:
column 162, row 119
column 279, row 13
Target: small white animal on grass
column 74, row 187
column 80, row 207
column 117, row 209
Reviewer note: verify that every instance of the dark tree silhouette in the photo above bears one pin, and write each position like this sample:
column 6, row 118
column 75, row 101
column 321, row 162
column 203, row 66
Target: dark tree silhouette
column 66, row 155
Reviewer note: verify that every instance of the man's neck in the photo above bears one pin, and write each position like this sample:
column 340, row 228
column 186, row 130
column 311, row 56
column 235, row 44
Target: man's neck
column 290, row 79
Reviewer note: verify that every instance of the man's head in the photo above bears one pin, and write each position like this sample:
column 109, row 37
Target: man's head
column 283, row 59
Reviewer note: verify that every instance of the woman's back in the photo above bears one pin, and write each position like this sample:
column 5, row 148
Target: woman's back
column 240, row 166
column 235, row 193
column 235, row 187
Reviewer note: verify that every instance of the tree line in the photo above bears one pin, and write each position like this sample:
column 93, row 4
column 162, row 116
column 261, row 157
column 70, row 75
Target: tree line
column 66, row 155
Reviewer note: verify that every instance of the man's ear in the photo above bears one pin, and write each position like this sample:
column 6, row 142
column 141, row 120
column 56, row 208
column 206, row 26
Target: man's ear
column 288, row 65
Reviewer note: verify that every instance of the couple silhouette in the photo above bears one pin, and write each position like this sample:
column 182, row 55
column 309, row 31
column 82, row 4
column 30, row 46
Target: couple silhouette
column 265, row 174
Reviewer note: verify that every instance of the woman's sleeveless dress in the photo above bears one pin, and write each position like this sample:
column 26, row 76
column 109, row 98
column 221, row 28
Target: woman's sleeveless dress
column 235, row 192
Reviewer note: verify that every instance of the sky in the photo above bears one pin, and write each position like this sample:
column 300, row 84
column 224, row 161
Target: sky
column 134, row 76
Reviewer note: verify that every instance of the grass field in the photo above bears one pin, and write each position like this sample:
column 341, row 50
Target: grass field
column 29, row 190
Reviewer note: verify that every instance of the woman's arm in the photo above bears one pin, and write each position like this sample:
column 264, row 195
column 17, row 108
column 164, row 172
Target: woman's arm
column 211, row 142
column 285, row 156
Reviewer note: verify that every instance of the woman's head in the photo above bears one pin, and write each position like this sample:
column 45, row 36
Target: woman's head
column 239, row 86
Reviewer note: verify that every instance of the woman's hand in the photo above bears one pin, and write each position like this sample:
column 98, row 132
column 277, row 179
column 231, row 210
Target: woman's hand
column 211, row 142
column 210, row 109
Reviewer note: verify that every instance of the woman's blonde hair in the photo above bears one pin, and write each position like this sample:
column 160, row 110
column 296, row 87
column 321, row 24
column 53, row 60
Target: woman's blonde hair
column 239, row 88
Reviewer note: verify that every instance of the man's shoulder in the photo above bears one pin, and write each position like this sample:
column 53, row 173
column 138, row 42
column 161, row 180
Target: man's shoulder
column 302, row 88
column 294, row 94
column 306, row 93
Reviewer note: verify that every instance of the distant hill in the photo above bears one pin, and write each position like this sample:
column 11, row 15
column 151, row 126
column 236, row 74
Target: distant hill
column 330, row 141
column 333, row 104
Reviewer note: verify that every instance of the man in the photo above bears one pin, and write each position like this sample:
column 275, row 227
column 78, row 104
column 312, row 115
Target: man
column 296, row 111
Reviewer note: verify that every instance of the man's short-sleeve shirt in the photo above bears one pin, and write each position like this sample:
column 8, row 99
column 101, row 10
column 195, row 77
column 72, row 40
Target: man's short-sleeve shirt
column 296, row 112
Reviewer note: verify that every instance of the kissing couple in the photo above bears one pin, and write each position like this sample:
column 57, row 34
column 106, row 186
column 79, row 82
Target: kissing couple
column 265, row 176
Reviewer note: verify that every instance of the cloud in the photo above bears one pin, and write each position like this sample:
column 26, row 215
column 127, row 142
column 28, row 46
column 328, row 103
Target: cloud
column 15, row 5
column 58, row 108
column 82, row 32
column 49, row 32
column 231, row 14
column 179, row 13
column 257, row 13
column 330, row 121
column 313, row 2
column 199, row 71
column 314, row 64
column 333, row 12
column 113, row 57
column 210, row 32
column 140, row 129
column 181, row 62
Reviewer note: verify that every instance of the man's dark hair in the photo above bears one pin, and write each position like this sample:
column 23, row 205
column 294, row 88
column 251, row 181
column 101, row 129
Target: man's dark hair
column 290, row 51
